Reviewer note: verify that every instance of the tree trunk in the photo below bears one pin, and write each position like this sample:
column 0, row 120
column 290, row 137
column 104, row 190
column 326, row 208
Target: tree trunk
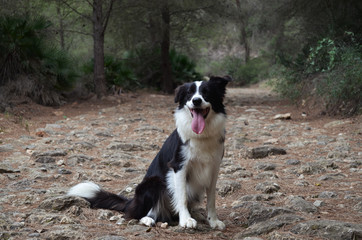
column 244, row 37
column 99, row 76
column 166, row 69
column 61, row 25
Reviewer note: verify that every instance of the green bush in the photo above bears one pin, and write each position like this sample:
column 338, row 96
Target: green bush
column 142, row 68
column 26, row 53
column 333, row 68
column 342, row 87
column 251, row 72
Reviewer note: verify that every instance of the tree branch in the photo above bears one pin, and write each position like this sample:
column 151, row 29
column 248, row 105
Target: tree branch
column 76, row 11
column 108, row 14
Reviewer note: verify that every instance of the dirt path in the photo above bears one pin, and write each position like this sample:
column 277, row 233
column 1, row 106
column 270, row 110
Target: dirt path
column 314, row 191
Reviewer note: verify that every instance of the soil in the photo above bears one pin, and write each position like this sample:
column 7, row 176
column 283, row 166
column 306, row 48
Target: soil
column 156, row 110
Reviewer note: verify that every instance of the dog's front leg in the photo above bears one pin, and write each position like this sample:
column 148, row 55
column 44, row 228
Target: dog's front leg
column 180, row 200
column 211, row 210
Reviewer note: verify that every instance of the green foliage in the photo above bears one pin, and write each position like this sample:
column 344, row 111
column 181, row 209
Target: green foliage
column 141, row 68
column 255, row 70
column 183, row 68
column 118, row 73
column 342, row 87
column 334, row 70
column 322, row 57
column 25, row 50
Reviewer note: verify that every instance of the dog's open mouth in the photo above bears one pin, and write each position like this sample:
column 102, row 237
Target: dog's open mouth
column 198, row 119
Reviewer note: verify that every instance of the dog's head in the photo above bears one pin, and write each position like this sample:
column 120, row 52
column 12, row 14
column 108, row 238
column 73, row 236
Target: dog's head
column 200, row 99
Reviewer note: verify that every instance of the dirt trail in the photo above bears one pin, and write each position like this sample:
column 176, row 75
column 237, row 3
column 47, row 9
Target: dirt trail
column 314, row 191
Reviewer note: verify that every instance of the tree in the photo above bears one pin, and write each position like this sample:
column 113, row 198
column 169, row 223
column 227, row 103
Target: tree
column 99, row 20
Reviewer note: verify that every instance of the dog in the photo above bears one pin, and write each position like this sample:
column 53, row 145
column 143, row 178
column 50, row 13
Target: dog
column 184, row 169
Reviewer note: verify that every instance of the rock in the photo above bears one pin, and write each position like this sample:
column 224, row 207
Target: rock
column 79, row 158
column 265, row 166
column 318, row 203
column 6, row 168
column 284, row 236
column 129, row 146
column 111, row 237
column 268, row 226
column 299, row 204
column 45, row 159
column 292, row 162
column 267, row 187
column 228, row 187
column 316, row 167
column 6, row 148
column 266, row 175
column 64, row 171
column 259, row 213
column 63, row 232
column 329, row 229
column 358, row 207
column 262, row 152
column 257, row 197
column 55, row 153
column 336, row 123
column 332, row 176
column 104, row 214
column 61, row 203
column 327, row 194
column 286, row 116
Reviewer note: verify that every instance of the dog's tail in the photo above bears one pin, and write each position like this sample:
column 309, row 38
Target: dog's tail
column 98, row 197
column 147, row 196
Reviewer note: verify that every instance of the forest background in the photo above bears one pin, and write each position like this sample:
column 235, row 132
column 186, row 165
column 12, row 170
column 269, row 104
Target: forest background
column 55, row 50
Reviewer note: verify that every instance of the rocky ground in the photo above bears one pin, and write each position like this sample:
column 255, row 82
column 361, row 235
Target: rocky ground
column 298, row 178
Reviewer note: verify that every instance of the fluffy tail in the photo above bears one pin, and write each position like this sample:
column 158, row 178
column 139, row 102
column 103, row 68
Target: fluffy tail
column 147, row 195
column 97, row 197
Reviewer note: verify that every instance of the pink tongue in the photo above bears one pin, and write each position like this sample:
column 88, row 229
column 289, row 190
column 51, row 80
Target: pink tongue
column 198, row 122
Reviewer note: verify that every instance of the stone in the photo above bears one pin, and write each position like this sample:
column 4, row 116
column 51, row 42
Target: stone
column 257, row 197
column 262, row 152
column 6, row 148
column 292, row 162
column 54, row 153
column 327, row 194
column 332, row 176
column 299, row 204
column 259, row 213
column 286, row 116
column 329, row 229
column 61, row 203
column 276, row 235
column 45, row 159
column 267, row 187
column 228, row 187
column 6, row 168
column 318, row 203
column 265, row 166
column 268, row 226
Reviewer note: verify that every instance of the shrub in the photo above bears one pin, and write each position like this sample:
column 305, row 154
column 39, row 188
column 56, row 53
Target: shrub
column 333, row 68
column 26, row 55
column 251, row 72
column 142, row 68
column 342, row 87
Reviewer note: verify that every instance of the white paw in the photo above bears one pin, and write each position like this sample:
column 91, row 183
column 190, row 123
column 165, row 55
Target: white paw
column 217, row 224
column 188, row 223
column 147, row 221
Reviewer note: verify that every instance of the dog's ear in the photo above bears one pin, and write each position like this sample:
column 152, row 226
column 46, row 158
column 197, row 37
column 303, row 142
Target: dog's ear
column 221, row 81
column 180, row 93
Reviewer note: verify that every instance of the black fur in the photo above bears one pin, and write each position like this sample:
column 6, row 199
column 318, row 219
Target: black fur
column 152, row 190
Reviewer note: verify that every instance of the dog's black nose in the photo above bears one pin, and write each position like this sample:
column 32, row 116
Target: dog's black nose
column 197, row 101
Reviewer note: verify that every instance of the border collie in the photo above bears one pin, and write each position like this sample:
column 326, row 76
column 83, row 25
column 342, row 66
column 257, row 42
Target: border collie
column 186, row 166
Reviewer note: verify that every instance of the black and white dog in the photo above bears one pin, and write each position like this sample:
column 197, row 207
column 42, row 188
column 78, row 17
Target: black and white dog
column 186, row 166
